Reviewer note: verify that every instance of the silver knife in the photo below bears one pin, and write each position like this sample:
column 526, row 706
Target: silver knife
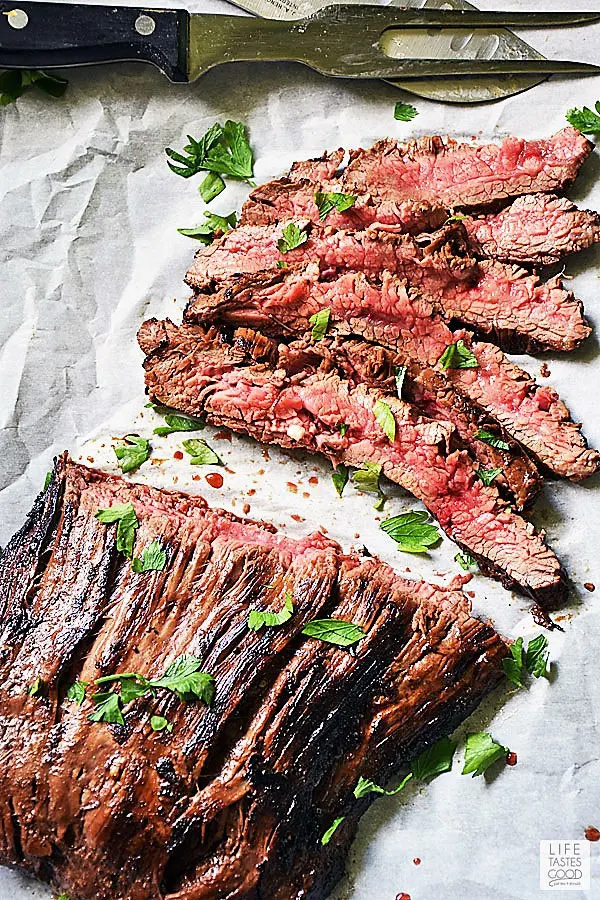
column 342, row 41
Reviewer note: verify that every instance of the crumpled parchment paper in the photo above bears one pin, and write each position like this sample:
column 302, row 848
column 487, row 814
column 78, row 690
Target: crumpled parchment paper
column 88, row 215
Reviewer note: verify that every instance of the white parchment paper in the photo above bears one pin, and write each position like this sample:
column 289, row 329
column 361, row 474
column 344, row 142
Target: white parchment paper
column 88, row 218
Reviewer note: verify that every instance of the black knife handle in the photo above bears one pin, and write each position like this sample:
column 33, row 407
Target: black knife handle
column 62, row 34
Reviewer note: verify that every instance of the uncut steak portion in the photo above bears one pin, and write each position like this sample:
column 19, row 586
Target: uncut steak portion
column 444, row 172
column 198, row 373
column 386, row 313
column 234, row 801
column 514, row 306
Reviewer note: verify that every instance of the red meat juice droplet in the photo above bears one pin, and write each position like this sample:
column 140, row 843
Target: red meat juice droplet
column 511, row 758
column 178, row 455
column 417, row 861
column 215, row 480
column 402, row 896
column 592, row 834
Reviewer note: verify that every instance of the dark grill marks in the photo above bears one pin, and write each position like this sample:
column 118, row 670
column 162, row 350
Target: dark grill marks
column 234, row 800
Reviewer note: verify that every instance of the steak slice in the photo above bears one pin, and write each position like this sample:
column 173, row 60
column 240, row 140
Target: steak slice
column 442, row 171
column 234, row 801
column 322, row 168
column 195, row 372
column 504, row 301
column 539, row 229
column 283, row 303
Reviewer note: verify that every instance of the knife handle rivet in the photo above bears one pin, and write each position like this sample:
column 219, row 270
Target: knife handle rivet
column 17, row 18
column 145, row 25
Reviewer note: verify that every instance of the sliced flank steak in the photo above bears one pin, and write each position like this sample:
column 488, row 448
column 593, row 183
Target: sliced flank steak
column 196, row 372
column 510, row 304
column 322, row 168
column 282, row 304
column 228, row 795
column 444, row 172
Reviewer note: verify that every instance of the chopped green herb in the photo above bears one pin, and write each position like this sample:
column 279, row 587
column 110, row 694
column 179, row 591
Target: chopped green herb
column 201, row 453
column 465, row 561
column 411, row 531
column 400, row 375
column 536, row 657
column 481, row 752
column 493, row 440
column 367, row 479
column 108, row 709
column 334, row 631
column 257, row 618
column 326, row 202
column 343, row 429
column 455, row 217
column 176, row 422
column 404, row 112
column 331, row 830
column 159, row 723
column 488, row 475
column 320, row 324
column 185, row 679
column 14, row 83
column 385, row 418
column 458, row 356
column 124, row 514
column 585, row 119
column 63, row 897
column 214, row 225
column 47, row 481
column 223, row 149
column 76, row 692
column 291, row 237
column 35, row 688
column 364, row 787
column 281, row 264
column 434, row 760
column 132, row 453
column 340, row 478
column 513, row 664
column 153, row 559
column 211, row 187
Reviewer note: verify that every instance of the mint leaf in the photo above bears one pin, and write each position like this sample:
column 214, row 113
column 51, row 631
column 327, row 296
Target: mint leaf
column 400, row 374
column 257, row 618
column 331, row 830
column 291, row 237
column 211, row 187
column 367, row 479
column 340, row 478
column 108, row 709
column 481, row 752
column 458, row 356
column 411, row 531
column 328, row 201
column 536, row 657
column 584, row 119
column 487, row 475
column 153, row 559
column 434, row 760
column 320, row 324
column 214, row 225
column 124, row 514
column 132, row 453
column 201, row 453
column 76, row 692
column 493, row 440
column 385, row 419
column 334, row 631
column 404, row 112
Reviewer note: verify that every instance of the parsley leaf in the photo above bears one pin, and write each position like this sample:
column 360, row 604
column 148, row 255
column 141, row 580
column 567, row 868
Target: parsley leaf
column 458, row 356
column 214, row 225
column 367, row 479
column 434, row 760
column 385, row 418
column 108, row 709
column 404, row 112
column 493, row 440
column 585, row 119
column 176, row 422
column 399, row 375
column 154, row 559
column 331, row 830
column 328, row 201
column 211, row 187
column 35, row 688
column 340, row 478
column 47, row 481
column 257, row 618
column 192, row 160
column 481, row 752
column 364, row 786
column 487, row 475
column 201, row 453
column 411, row 531
column 342, row 428
column 334, row 631
column 76, row 692
column 536, row 657
column 513, row 664
column 465, row 561
column 124, row 514
column 132, row 453
column 159, row 723
column 232, row 154
column 292, row 236
column 320, row 324
column 14, row 83
column 185, row 679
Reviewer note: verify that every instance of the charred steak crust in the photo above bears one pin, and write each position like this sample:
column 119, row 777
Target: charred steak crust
column 234, row 801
